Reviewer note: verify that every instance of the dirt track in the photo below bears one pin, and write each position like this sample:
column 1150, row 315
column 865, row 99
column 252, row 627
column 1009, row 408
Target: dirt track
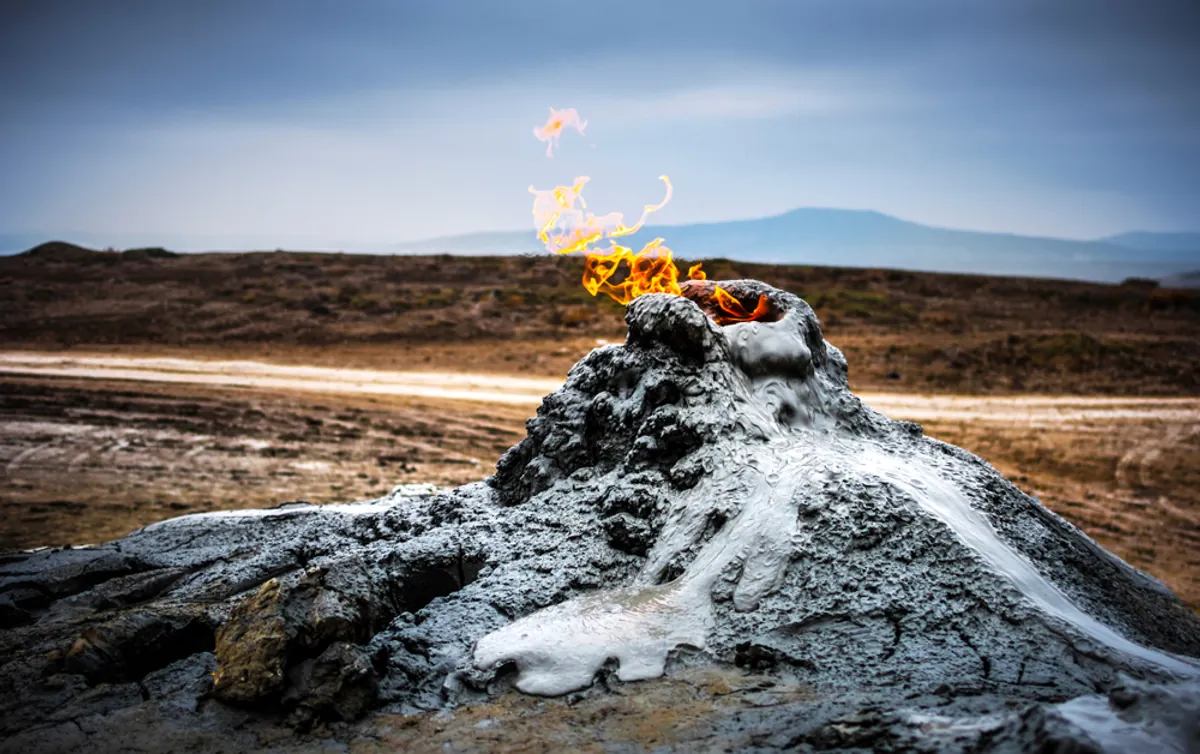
column 485, row 388
column 1027, row 410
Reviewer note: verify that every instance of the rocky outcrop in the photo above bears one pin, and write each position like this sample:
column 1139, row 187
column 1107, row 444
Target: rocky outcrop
column 700, row 497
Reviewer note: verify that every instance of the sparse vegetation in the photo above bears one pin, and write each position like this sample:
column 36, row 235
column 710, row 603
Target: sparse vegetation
column 903, row 330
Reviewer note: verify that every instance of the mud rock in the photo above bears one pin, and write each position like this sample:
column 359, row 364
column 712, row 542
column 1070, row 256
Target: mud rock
column 704, row 498
column 251, row 647
column 341, row 683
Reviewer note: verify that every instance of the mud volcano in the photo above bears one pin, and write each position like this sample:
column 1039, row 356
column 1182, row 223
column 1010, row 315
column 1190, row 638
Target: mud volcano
column 704, row 496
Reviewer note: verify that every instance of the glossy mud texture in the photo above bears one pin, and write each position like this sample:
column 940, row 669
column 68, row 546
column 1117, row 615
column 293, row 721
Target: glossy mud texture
column 700, row 497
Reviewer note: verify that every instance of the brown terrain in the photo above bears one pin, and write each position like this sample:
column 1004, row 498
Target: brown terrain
column 1085, row 395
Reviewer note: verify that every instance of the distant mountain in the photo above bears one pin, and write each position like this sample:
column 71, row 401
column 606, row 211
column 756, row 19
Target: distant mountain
column 61, row 251
column 1146, row 241
column 1185, row 246
column 15, row 243
column 839, row 237
column 869, row 239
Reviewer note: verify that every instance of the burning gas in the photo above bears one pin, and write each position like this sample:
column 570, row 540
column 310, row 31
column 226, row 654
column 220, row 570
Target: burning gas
column 565, row 226
column 558, row 120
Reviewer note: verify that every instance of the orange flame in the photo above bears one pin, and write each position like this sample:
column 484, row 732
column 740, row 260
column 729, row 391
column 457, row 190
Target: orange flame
column 558, row 120
column 650, row 270
column 731, row 309
column 566, row 227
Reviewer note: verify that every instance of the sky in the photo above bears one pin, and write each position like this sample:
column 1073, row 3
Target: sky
column 329, row 124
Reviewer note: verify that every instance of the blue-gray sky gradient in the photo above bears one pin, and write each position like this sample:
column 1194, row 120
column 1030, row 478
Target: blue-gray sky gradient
column 319, row 123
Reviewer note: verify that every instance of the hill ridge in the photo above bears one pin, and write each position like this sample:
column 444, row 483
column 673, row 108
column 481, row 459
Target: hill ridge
column 868, row 238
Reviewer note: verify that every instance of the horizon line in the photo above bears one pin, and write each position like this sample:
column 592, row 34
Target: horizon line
column 348, row 245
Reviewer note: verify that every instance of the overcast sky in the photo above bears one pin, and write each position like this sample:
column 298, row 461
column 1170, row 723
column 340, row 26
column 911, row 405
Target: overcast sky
column 369, row 121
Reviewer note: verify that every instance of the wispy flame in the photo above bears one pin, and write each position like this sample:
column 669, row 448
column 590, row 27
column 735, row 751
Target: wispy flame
column 565, row 226
column 558, row 120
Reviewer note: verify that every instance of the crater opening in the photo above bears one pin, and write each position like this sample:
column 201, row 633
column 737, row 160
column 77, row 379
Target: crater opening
column 730, row 303
column 131, row 646
column 426, row 585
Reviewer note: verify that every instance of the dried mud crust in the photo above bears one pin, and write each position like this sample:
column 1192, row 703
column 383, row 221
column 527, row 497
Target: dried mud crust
column 85, row 461
column 649, row 471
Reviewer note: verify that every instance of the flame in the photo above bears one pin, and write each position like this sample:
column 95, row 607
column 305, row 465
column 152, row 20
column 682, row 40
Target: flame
column 565, row 226
column 566, row 229
column 650, row 270
column 732, row 309
column 558, row 120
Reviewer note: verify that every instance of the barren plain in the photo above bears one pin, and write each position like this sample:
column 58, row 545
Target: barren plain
column 119, row 405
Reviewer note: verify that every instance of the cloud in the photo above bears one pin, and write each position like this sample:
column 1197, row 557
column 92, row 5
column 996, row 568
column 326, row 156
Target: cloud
column 369, row 119
column 740, row 91
column 731, row 101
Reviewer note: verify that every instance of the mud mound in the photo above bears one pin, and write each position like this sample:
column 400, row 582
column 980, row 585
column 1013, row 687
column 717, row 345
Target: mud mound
column 59, row 251
column 700, row 496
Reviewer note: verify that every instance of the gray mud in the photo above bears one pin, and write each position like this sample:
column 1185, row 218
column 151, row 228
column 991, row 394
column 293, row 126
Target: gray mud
column 700, row 497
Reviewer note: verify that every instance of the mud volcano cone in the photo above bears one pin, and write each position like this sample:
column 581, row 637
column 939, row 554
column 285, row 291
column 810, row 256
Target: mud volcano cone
column 701, row 496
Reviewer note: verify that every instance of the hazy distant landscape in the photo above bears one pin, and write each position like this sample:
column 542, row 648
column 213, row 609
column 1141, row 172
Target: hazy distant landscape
column 812, row 236
column 872, row 239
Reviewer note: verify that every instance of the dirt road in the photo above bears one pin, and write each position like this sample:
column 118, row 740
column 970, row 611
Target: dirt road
column 1026, row 410
column 486, row 388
